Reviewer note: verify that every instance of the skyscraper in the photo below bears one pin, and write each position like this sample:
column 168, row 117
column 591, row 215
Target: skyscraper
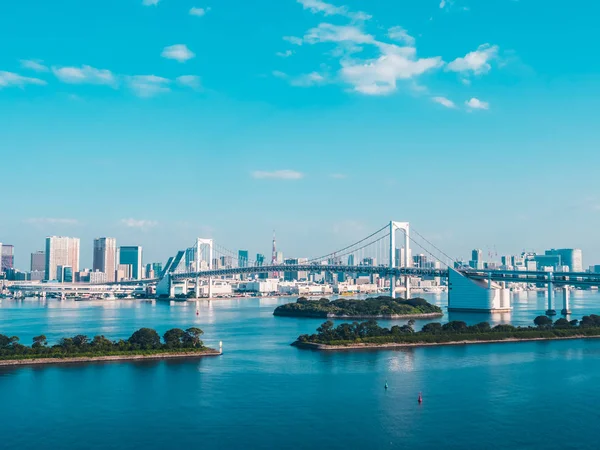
column 132, row 255
column 61, row 251
column 38, row 261
column 571, row 257
column 8, row 258
column 105, row 257
column 476, row 259
column 243, row 258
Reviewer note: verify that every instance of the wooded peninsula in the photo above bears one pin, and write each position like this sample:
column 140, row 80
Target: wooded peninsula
column 370, row 335
column 145, row 343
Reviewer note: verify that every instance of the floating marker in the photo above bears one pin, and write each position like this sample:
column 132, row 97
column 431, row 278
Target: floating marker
column 420, row 400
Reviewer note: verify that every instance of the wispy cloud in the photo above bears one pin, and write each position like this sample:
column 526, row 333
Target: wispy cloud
column 278, row 174
column 10, row 79
column 199, row 11
column 328, row 9
column 308, row 79
column 150, row 2
column 475, row 103
column 141, row 224
column 401, row 35
column 34, row 64
column 148, row 85
column 444, row 102
column 178, row 52
column 285, row 54
column 476, row 62
column 191, row 81
column 51, row 221
column 85, row 75
column 293, row 40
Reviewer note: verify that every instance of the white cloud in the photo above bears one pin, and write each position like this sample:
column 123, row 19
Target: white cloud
column 444, row 102
column 84, row 75
column 475, row 103
column 326, row 32
column 178, row 52
column 51, row 221
column 285, row 54
column 442, row 4
column 379, row 76
column 293, row 40
column 199, row 11
column 191, row 81
column 141, row 224
column 309, row 79
column 278, row 174
column 319, row 6
column 150, row 2
column 477, row 62
column 9, row 79
column 34, row 64
column 148, row 85
column 279, row 74
column 401, row 35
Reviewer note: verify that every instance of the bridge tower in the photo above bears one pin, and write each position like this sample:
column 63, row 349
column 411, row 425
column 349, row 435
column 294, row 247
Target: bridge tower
column 206, row 244
column 404, row 226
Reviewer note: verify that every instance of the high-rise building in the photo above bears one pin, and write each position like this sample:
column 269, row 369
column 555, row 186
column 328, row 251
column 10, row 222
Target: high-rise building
column 571, row 257
column 350, row 260
column 61, row 251
column 476, row 259
column 38, row 261
column 7, row 261
column 132, row 255
column 260, row 260
column 154, row 270
column 243, row 258
column 64, row 274
column 105, row 257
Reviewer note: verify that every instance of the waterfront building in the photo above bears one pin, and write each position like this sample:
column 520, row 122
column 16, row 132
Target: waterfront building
column 61, row 251
column 571, row 257
column 98, row 277
column 242, row 258
column 38, row 262
column 154, row 270
column 132, row 255
column 64, row 274
column 105, row 257
column 124, row 272
column 548, row 262
column 7, row 260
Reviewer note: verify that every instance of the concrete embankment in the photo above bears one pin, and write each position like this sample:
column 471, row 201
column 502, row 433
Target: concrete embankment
column 88, row 359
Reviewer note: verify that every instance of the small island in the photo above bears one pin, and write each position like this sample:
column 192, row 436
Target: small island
column 370, row 335
column 370, row 308
column 145, row 343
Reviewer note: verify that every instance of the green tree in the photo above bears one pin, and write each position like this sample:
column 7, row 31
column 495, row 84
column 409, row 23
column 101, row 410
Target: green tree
column 562, row 323
column 192, row 337
column 432, row 328
column 80, row 340
column 542, row 321
column 146, row 338
column 39, row 341
column 174, row 338
column 101, row 343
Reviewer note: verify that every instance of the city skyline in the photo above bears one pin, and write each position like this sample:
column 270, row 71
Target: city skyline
column 459, row 145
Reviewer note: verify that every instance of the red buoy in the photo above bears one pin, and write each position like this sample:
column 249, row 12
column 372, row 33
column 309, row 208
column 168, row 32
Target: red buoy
column 197, row 312
column 420, row 398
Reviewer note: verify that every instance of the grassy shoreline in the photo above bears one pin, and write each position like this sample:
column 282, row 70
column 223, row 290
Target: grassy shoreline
column 116, row 356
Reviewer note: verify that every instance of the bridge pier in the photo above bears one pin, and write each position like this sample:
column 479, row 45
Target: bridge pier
column 197, row 287
column 566, row 297
column 550, row 311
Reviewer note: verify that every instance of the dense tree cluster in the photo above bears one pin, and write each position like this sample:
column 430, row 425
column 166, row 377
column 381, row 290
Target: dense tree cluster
column 144, row 340
column 377, row 306
column 455, row 331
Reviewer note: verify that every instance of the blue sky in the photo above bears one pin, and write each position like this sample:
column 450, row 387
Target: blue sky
column 160, row 121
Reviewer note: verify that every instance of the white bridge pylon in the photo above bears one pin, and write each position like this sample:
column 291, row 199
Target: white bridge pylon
column 404, row 226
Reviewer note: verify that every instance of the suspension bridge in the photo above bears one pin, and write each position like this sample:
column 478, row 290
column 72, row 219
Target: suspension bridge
column 396, row 253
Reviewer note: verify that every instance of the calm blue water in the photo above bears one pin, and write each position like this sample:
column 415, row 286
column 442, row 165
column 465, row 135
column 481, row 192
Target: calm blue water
column 262, row 393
